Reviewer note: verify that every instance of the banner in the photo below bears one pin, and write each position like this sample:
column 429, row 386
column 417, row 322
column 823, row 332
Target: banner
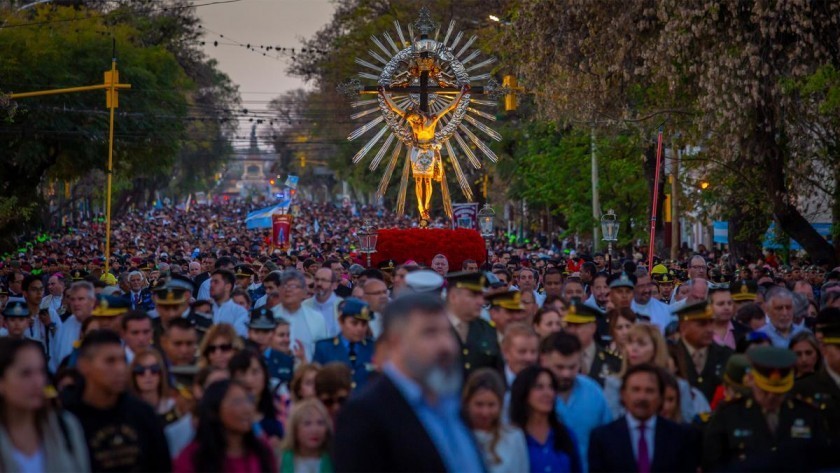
column 281, row 226
column 292, row 181
column 262, row 218
column 465, row 216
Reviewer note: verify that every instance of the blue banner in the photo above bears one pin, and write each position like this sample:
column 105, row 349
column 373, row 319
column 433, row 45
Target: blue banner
column 773, row 238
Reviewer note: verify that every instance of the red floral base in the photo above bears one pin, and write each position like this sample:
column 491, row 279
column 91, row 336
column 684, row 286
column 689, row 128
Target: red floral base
column 421, row 245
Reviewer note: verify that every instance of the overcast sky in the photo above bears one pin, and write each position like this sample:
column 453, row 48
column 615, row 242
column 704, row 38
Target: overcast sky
column 279, row 23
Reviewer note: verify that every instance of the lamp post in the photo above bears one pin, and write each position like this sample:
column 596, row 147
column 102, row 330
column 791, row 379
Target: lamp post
column 367, row 241
column 609, row 230
column 486, row 221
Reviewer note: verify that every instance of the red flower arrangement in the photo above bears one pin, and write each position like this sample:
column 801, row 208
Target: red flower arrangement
column 422, row 244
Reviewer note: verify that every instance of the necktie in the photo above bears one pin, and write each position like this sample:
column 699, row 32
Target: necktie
column 643, row 460
column 352, row 354
column 772, row 421
column 136, row 300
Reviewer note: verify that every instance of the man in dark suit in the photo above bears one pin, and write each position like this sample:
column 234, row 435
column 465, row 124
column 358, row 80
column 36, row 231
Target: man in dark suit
column 582, row 321
column 479, row 343
column 641, row 440
column 408, row 419
column 698, row 359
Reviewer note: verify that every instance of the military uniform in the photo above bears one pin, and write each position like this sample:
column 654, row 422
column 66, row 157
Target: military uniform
column 281, row 367
column 707, row 379
column 603, row 364
column 741, row 436
column 356, row 355
column 480, row 347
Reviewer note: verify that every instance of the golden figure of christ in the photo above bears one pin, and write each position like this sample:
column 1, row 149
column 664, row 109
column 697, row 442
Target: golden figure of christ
column 426, row 162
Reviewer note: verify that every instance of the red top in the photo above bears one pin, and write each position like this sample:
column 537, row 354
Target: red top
column 247, row 464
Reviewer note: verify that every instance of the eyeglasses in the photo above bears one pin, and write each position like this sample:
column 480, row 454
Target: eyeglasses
column 142, row 369
column 329, row 401
column 311, row 286
column 224, row 348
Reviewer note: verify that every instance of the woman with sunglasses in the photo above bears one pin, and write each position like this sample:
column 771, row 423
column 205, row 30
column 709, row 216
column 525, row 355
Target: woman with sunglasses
column 218, row 346
column 249, row 368
column 150, row 382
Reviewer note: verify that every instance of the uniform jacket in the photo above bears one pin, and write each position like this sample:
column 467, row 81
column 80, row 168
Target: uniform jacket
column 332, row 349
column 738, row 438
column 603, row 365
column 481, row 349
column 820, row 390
column 711, row 376
column 676, row 448
column 280, row 366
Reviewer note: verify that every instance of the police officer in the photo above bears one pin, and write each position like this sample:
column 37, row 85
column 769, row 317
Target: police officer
column 261, row 327
column 479, row 344
column 109, row 311
column 244, row 276
column 766, row 430
column 16, row 314
column 352, row 346
column 823, row 388
column 581, row 320
column 171, row 303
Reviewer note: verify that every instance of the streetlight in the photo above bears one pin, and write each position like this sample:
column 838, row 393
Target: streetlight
column 367, row 241
column 609, row 230
column 486, row 221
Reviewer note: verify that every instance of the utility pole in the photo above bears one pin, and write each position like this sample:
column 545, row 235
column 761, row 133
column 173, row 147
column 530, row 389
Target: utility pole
column 596, row 204
column 675, row 197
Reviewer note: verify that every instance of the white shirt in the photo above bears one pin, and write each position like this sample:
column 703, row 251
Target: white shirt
column 376, row 325
column 261, row 301
column 53, row 301
column 591, row 302
column 659, row 313
column 300, row 329
column 233, row 314
column 66, row 335
column 38, row 332
column 328, row 310
column 650, row 430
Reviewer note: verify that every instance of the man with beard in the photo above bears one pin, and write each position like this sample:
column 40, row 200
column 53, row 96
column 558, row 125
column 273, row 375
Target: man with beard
column 325, row 301
column 580, row 400
column 409, row 418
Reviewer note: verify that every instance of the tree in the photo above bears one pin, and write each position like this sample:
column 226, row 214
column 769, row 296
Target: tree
column 718, row 66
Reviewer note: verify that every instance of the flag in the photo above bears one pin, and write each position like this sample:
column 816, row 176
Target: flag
column 262, row 218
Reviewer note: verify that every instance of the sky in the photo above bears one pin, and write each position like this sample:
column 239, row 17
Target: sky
column 278, row 23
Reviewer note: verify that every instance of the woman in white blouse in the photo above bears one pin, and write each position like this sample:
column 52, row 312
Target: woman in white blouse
column 503, row 446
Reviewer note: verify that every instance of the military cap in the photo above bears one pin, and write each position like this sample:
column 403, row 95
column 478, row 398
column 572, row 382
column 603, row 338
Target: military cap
column 666, row 278
column 356, row 269
column 146, row 266
column 78, row 274
column 176, row 280
column 510, row 300
column 356, row 308
column 200, row 320
column 168, row 295
column 387, row 265
column 262, row 319
column 110, row 306
column 701, row 310
column 474, row 281
column 743, row 290
column 622, row 280
column 243, row 271
column 424, row 280
column 827, row 326
column 580, row 313
column 733, row 375
column 16, row 308
column 3, row 290
column 772, row 368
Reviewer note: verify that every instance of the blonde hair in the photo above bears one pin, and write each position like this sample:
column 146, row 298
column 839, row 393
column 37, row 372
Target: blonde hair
column 661, row 357
column 517, row 329
column 299, row 409
column 217, row 331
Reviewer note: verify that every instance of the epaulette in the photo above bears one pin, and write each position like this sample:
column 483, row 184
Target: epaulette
column 808, row 401
column 704, row 417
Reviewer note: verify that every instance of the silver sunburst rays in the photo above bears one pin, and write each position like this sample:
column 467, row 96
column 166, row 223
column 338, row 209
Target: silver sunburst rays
column 426, row 95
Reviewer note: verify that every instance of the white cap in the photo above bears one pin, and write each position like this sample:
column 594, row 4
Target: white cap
column 424, row 280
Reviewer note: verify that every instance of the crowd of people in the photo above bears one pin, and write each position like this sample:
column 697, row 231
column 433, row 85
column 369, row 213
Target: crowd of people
column 200, row 347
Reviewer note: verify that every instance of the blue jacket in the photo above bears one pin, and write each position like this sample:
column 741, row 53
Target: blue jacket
column 280, row 366
column 332, row 349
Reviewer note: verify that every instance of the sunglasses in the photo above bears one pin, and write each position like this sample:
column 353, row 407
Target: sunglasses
column 333, row 400
column 224, row 348
column 142, row 369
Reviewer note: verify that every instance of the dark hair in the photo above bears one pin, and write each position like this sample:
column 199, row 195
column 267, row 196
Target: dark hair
column 806, row 336
column 9, row 349
column 614, row 314
column 520, row 411
column 240, row 362
column 226, row 274
column 466, row 262
column 332, row 378
column 372, row 273
column 272, row 277
column 490, row 380
column 133, row 316
column 97, row 338
column 210, row 433
column 601, row 274
column 749, row 312
column 670, row 381
column 181, row 323
column 542, row 311
column 28, row 280
column 223, row 261
column 590, row 268
column 562, row 342
column 645, row 368
column 398, row 310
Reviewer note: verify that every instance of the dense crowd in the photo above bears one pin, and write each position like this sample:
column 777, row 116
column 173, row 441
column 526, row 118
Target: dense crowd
column 203, row 348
